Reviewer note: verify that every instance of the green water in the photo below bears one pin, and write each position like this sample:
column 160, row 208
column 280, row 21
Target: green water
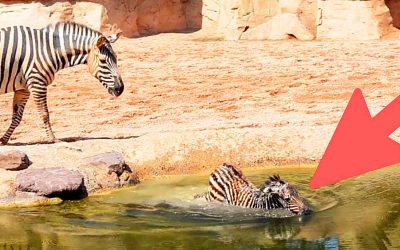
column 362, row 213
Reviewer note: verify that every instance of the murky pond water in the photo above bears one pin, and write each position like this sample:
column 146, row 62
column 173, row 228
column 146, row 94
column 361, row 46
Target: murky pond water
column 362, row 213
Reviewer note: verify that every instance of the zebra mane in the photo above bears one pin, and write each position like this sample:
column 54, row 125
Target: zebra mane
column 275, row 177
column 55, row 26
column 272, row 179
column 234, row 169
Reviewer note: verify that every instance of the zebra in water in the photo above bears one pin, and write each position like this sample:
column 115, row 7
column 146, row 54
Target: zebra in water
column 227, row 184
column 29, row 59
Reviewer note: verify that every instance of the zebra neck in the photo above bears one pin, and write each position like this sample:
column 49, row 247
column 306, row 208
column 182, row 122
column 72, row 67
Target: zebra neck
column 268, row 201
column 73, row 43
column 260, row 199
column 72, row 54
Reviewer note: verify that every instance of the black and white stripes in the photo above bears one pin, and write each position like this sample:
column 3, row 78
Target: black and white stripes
column 29, row 59
column 227, row 184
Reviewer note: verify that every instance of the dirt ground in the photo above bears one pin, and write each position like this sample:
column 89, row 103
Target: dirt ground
column 190, row 103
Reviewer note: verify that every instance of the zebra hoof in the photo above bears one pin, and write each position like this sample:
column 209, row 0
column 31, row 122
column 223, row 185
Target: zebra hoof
column 3, row 141
column 55, row 140
column 51, row 141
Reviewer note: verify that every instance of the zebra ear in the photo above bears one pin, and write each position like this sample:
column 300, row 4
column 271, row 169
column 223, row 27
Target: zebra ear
column 275, row 177
column 101, row 41
column 114, row 37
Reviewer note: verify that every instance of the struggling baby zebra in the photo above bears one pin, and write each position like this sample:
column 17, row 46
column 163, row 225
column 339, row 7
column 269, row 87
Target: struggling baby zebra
column 227, row 184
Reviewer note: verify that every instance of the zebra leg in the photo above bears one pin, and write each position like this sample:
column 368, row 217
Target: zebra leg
column 202, row 195
column 19, row 102
column 40, row 99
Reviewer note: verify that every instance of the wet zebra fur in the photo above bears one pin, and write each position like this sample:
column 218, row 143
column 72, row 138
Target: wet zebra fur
column 30, row 58
column 227, row 184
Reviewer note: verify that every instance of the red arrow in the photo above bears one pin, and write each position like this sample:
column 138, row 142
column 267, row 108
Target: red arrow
column 360, row 143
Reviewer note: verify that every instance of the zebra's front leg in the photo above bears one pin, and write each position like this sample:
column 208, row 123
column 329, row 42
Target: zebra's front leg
column 19, row 102
column 40, row 98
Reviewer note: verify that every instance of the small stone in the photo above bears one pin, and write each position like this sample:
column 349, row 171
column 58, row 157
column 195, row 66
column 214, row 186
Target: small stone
column 127, row 179
column 14, row 160
column 52, row 182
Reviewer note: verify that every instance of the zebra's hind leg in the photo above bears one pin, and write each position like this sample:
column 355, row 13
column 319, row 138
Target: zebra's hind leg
column 40, row 99
column 19, row 102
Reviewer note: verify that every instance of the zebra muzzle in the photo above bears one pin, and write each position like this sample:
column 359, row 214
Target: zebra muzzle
column 119, row 86
column 298, row 207
column 119, row 90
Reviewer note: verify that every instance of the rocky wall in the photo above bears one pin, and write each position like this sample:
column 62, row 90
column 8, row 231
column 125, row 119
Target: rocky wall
column 394, row 7
column 233, row 19
column 354, row 20
column 132, row 17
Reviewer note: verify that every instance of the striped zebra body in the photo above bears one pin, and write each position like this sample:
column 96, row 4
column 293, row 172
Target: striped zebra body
column 227, row 184
column 30, row 58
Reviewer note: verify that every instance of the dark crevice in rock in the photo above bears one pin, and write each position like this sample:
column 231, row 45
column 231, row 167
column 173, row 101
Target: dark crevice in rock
column 78, row 194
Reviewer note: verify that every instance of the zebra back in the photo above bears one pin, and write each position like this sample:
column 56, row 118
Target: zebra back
column 228, row 184
column 37, row 54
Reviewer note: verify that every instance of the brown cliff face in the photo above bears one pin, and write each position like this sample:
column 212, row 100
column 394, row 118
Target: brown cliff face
column 133, row 18
column 231, row 19
column 143, row 17
column 394, row 7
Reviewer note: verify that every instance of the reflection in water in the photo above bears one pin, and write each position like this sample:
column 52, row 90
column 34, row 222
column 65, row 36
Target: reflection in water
column 380, row 234
column 362, row 213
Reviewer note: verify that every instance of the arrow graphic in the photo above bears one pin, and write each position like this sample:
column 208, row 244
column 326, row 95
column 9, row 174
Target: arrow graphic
column 360, row 143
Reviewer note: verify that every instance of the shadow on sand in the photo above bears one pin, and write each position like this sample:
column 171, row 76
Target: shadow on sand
column 73, row 139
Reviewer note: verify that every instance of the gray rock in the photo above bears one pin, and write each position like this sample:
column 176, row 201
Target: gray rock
column 52, row 182
column 107, row 170
column 14, row 160
column 113, row 160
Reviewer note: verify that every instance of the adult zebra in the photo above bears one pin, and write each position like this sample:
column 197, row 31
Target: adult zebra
column 29, row 59
column 227, row 184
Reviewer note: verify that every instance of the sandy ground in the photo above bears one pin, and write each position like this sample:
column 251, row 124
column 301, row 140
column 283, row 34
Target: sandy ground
column 191, row 103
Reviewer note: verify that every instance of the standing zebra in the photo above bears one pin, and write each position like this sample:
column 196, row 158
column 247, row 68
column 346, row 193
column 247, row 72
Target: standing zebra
column 227, row 184
column 29, row 59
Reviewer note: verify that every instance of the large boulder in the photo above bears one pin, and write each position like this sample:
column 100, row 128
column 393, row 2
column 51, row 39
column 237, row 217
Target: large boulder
column 107, row 170
column 279, row 27
column 52, row 182
column 239, row 16
column 359, row 20
column 14, row 160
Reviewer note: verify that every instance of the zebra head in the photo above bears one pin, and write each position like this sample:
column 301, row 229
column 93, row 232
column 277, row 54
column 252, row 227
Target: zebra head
column 102, row 62
column 287, row 195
